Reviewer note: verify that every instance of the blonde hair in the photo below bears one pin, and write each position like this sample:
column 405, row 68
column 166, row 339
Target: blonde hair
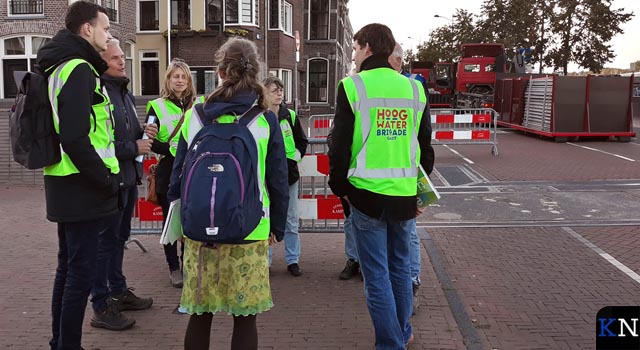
column 238, row 60
column 190, row 93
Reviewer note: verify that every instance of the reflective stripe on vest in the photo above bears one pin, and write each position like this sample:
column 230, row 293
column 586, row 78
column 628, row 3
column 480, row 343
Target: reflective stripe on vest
column 363, row 106
column 259, row 128
column 388, row 109
column 289, row 142
column 101, row 132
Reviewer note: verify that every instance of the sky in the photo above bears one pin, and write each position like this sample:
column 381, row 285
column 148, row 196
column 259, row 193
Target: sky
column 412, row 20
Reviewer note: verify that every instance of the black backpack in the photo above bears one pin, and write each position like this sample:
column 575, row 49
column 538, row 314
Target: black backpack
column 34, row 141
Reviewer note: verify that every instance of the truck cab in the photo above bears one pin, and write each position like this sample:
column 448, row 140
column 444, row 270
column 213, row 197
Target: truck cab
column 476, row 74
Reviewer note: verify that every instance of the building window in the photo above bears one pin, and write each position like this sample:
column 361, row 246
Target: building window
column 112, row 9
column 17, row 54
column 110, row 5
column 281, row 16
column 241, row 12
column 148, row 15
column 26, row 7
column 319, row 20
column 214, row 14
column 285, row 76
column 149, row 73
column 128, row 57
column 180, row 14
column 204, row 79
column 317, row 81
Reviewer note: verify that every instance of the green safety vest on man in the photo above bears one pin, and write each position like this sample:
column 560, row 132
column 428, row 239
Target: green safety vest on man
column 168, row 114
column 287, row 133
column 388, row 109
column 260, row 130
column 101, row 132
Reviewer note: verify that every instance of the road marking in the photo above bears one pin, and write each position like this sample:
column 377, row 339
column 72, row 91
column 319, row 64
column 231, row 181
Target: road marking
column 459, row 155
column 613, row 261
column 601, row 151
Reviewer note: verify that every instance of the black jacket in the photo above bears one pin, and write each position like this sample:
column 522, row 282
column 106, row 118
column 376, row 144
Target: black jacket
column 299, row 138
column 93, row 192
column 163, row 172
column 340, row 140
column 127, row 130
column 275, row 165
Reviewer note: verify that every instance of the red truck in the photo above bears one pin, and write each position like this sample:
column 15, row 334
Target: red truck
column 468, row 83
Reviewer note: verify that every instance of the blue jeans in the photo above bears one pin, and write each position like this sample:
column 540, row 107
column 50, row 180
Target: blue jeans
column 383, row 249
column 350, row 249
column 414, row 254
column 110, row 279
column 291, row 237
column 77, row 252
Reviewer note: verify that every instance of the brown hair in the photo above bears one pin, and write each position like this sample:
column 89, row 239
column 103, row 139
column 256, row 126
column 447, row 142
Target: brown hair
column 238, row 59
column 81, row 12
column 378, row 36
column 190, row 93
column 273, row 80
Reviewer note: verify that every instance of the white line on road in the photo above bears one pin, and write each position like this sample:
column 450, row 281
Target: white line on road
column 613, row 261
column 601, row 151
column 459, row 155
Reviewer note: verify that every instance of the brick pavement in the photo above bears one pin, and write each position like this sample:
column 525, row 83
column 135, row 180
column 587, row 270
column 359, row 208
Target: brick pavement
column 522, row 288
column 536, row 288
column 315, row 311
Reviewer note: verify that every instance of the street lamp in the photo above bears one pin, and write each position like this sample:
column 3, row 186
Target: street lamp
column 411, row 44
column 443, row 17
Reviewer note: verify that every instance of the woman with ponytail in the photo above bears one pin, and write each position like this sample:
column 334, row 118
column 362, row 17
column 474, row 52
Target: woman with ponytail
column 234, row 278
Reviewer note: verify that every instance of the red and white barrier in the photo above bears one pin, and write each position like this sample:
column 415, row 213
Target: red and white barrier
column 320, row 208
column 317, row 207
column 314, row 165
column 464, row 126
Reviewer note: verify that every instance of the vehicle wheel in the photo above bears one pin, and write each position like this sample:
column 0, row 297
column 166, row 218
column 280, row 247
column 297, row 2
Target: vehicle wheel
column 494, row 150
column 560, row 139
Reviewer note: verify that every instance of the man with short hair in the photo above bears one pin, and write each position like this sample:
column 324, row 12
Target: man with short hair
column 381, row 130
column 82, row 189
column 110, row 292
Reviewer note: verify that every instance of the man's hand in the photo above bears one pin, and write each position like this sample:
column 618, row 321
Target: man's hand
column 144, row 146
column 151, row 130
column 419, row 211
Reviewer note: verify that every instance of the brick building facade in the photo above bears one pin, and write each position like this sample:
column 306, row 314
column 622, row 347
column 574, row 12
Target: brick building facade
column 199, row 27
column 26, row 25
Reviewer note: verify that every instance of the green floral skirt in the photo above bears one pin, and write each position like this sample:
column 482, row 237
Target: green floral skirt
column 231, row 278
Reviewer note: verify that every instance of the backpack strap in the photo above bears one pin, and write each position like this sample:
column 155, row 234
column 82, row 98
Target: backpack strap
column 177, row 128
column 245, row 119
column 249, row 116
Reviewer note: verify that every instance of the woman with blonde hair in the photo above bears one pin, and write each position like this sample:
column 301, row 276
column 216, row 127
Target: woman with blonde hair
column 233, row 278
column 176, row 97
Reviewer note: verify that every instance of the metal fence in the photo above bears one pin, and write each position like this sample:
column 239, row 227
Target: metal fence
column 469, row 126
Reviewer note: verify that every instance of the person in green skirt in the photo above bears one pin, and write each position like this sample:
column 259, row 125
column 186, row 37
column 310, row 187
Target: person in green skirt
column 234, row 278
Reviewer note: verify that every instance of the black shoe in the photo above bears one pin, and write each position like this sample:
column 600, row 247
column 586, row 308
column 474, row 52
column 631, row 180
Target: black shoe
column 294, row 269
column 415, row 297
column 130, row 301
column 352, row 268
column 111, row 318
